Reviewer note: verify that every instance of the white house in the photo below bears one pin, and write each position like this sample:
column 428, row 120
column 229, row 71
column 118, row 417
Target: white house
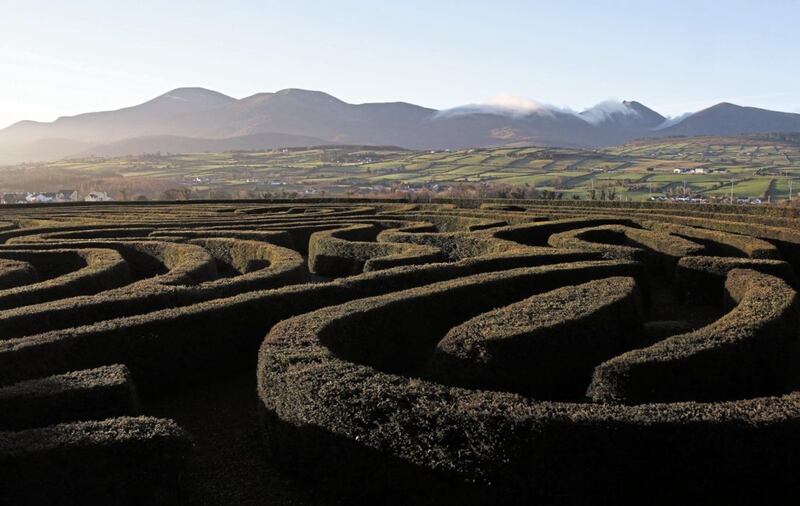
column 97, row 197
column 66, row 196
column 40, row 198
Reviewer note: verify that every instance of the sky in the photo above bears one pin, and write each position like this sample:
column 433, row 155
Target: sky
column 66, row 57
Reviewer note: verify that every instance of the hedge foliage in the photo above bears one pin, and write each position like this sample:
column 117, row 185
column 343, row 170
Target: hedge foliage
column 336, row 405
column 78, row 395
column 753, row 350
column 124, row 461
column 545, row 346
column 471, row 352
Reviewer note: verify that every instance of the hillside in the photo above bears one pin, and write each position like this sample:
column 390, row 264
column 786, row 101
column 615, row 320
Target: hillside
column 635, row 171
column 208, row 117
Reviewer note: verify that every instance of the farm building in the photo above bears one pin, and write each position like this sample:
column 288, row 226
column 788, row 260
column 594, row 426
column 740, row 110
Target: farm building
column 97, row 197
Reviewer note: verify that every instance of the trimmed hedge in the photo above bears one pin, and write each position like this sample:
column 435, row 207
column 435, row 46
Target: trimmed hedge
column 701, row 279
column 79, row 395
column 363, row 393
column 333, row 409
column 449, row 303
column 95, row 270
column 546, row 346
column 660, row 251
column 346, row 251
column 121, row 461
column 269, row 267
column 172, row 348
column 276, row 237
column 751, row 351
column 16, row 272
column 720, row 243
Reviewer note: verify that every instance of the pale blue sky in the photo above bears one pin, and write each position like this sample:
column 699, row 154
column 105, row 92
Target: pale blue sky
column 65, row 57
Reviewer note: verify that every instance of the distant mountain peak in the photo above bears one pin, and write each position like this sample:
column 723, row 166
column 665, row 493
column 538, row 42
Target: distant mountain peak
column 196, row 118
column 726, row 118
column 308, row 95
column 628, row 113
column 194, row 94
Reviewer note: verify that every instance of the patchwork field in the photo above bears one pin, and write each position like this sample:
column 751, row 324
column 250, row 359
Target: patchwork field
column 757, row 168
column 342, row 352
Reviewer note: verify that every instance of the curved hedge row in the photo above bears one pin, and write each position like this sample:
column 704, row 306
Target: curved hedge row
column 720, row 243
column 334, row 405
column 16, row 272
column 78, row 395
column 659, row 250
column 88, row 271
column 125, row 461
column 418, row 375
column 753, row 350
column 348, row 251
column 545, row 346
column 701, row 279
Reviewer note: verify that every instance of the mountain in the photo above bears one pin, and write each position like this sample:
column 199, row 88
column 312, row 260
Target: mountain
column 176, row 144
column 311, row 113
column 731, row 119
column 618, row 122
column 159, row 115
column 198, row 119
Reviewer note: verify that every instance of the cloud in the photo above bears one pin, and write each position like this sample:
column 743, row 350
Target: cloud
column 505, row 105
column 674, row 120
column 606, row 109
column 518, row 106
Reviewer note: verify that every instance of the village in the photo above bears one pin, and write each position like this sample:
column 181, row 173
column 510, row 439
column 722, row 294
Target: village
column 59, row 196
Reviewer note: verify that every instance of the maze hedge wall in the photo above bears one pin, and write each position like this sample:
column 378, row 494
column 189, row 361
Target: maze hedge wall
column 403, row 353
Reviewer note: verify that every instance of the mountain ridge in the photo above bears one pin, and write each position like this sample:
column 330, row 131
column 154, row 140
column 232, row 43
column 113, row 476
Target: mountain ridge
column 198, row 118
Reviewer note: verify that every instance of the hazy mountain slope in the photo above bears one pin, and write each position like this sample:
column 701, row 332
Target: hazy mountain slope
column 731, row 119
column 484, row 129
column 195, row 119
column 160, row 115
column 40, row 150
column 175, row 144
column 310, row 113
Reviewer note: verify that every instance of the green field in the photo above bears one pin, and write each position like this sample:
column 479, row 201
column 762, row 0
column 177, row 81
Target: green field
column 635, row 171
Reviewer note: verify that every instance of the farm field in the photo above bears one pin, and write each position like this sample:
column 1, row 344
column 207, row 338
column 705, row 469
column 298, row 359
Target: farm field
column 344, row 351
column 755, row 168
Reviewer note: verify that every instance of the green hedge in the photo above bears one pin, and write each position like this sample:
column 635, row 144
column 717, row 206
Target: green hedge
column 121, row 461
column 546, row 346
column 14, row 273
column 349, row 250
column 701, row 279
column 79, row 395
column 174, row 347
column 269, row 267
column 659, row 250
column 751, row 351
column 88, row 271
column 337, row 410
column 720, row 243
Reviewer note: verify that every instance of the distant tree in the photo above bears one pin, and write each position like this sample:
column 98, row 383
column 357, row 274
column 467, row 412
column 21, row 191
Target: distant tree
column 518, row 192
column 176, row 194
column 219, row 194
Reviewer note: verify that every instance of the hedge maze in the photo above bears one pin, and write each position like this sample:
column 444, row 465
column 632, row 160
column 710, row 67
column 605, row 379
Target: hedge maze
column 389, row 352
